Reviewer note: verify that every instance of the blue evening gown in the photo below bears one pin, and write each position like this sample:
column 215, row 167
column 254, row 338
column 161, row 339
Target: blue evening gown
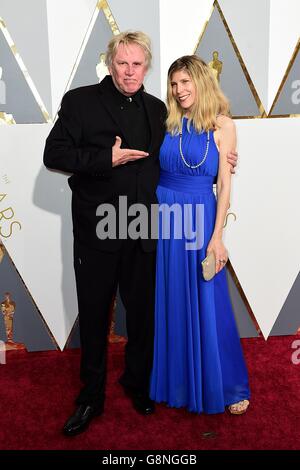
column 198, row 360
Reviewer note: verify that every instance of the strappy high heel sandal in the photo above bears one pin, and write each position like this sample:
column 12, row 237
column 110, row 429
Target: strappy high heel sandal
column 239, row 408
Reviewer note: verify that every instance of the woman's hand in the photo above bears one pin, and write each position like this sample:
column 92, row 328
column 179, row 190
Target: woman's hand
column 220, row 252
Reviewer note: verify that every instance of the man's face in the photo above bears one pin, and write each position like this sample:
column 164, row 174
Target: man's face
column 128, row 68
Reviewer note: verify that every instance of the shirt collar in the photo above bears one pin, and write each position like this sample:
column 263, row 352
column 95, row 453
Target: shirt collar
column 119, row 97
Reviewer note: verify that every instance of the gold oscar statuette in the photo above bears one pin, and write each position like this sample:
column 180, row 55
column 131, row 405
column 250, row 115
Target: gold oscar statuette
column 216, row 65
column 112, row 336
column 8, row 307
column 101, row 67
column 1, row 252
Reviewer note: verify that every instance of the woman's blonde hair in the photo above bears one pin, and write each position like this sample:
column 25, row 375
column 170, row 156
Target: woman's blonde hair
column 127, row 38
column 210, row 100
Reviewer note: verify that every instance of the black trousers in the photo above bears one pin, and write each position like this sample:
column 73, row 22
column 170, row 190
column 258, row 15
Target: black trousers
column 97, row 276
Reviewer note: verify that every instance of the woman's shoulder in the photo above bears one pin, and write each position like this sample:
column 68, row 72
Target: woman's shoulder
column 225, row 122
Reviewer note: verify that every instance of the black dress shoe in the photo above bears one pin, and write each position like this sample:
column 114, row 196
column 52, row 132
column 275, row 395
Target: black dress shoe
column 81, row 419
column 141, row 402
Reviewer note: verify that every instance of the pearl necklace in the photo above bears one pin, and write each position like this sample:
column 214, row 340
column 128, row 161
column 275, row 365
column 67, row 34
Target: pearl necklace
column 181, row 153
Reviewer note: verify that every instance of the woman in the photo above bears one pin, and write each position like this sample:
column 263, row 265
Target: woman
column 198, row 361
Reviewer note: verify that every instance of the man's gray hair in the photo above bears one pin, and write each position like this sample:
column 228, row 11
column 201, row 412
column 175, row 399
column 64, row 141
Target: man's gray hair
column 127, row 38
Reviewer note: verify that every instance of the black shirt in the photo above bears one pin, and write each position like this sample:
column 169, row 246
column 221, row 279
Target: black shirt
column 133, row 116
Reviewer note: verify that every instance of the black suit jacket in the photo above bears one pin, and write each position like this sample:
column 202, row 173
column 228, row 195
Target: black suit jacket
column 81, row 143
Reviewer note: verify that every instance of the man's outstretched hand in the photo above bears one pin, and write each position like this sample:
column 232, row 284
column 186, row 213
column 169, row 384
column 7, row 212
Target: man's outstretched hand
column 122, row 156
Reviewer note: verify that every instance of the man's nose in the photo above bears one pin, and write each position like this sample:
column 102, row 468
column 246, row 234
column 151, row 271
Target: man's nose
column 129, row 70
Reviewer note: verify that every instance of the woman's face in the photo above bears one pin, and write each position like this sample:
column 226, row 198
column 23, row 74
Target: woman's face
column 183, row 90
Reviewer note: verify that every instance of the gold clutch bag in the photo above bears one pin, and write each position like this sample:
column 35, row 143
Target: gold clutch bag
column 209, row 266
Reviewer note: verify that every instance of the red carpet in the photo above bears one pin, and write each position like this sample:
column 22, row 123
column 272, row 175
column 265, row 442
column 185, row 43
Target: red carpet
column 37, row 392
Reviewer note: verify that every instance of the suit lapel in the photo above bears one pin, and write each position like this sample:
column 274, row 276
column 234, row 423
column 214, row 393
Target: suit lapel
column 113, row 109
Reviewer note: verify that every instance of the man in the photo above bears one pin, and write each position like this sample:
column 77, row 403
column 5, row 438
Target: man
column 108, row 135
